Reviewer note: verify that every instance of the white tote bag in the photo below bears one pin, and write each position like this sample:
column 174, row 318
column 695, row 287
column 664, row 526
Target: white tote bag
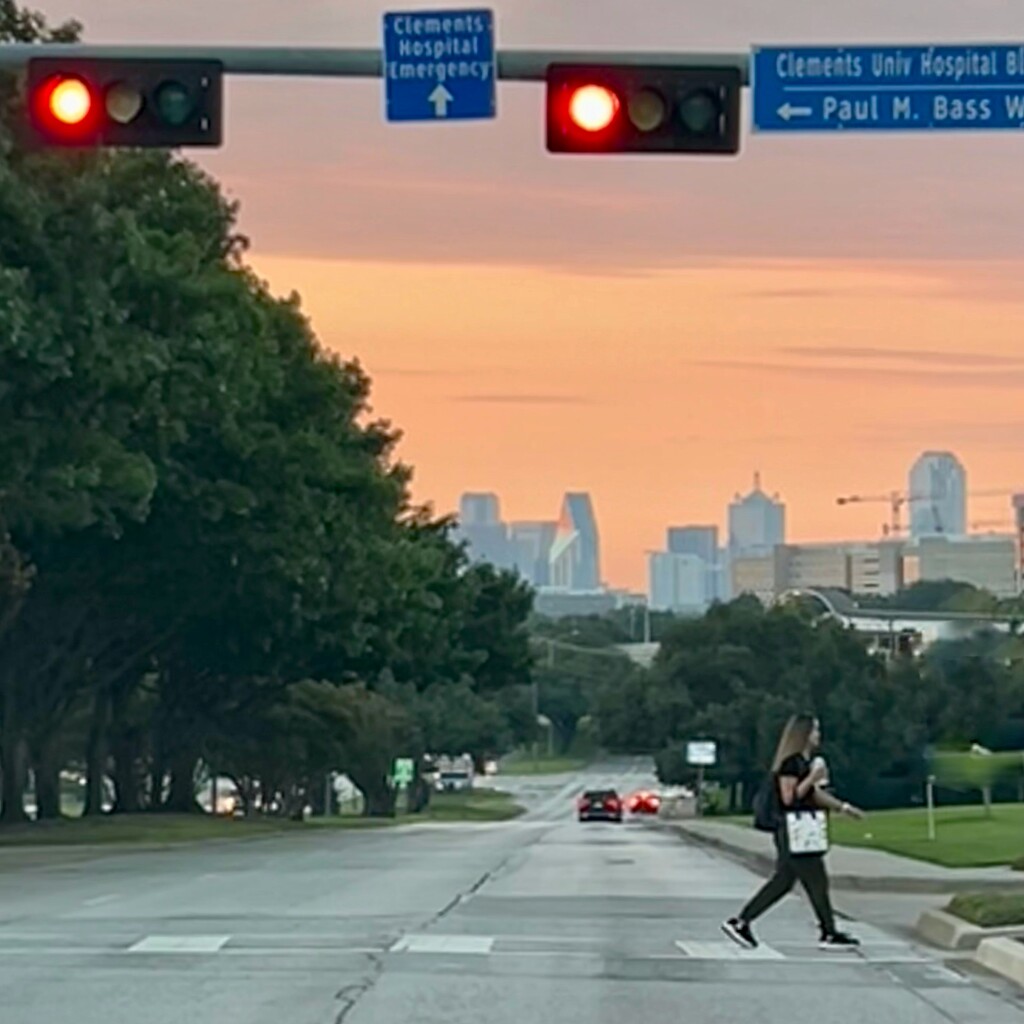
column 806, row 832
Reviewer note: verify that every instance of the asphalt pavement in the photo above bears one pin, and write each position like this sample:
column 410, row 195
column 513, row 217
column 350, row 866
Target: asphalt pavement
column 537, row 920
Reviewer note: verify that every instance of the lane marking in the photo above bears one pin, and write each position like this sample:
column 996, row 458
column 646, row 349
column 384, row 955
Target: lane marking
column 728, row 951
column 180, row 944
column 97, row 900
column 467, row 944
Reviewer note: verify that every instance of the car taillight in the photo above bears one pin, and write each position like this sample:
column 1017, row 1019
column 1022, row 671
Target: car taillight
column 612, row 805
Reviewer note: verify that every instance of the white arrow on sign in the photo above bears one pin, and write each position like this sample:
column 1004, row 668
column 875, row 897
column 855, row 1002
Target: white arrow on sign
column 441, row 97
column 787, row 111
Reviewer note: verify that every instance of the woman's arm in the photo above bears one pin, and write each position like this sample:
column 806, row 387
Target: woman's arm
column 827, row 802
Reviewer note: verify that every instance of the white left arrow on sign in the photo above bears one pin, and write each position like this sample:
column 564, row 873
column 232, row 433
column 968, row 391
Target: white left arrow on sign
column 440, row 97
column 787, row 111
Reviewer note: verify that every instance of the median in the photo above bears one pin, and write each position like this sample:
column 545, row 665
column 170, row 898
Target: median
column 160, row 830
column 990, row 923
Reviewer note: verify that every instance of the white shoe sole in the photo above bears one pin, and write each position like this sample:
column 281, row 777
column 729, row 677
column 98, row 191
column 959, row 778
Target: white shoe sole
column 736, row 937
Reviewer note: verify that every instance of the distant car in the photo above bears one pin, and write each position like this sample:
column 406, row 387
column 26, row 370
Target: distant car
column 644, row 802
column 599, row 805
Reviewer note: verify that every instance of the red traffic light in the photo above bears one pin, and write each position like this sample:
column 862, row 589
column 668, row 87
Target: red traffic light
column 592, row 108
column 97, row 101
column 64, row 106
column 617, row 108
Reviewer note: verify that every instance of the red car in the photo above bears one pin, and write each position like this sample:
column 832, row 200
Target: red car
column 599, row 805
column 644, row 802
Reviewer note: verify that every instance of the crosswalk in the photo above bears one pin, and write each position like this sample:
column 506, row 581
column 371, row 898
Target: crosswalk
column 698, row 949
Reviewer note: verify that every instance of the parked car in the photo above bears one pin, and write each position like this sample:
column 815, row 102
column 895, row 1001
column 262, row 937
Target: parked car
column 599, row 805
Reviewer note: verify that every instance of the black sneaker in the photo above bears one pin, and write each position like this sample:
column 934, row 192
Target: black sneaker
column 838, row 941
column 740, row 933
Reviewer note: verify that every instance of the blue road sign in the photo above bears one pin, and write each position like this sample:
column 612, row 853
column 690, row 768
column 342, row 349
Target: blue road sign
column 888, row 88
column 439, row 65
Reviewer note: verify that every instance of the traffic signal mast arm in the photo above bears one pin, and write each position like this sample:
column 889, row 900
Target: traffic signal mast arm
column 326, row 62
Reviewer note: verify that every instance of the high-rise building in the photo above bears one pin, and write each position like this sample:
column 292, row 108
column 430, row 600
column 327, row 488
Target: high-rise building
column 756, row 522
column 701, row 541
column 989, row 562
column 481, row 527
column 677, row 583
column 479, row 509
column 575, row 558
column 938, row 496
column 531, row 550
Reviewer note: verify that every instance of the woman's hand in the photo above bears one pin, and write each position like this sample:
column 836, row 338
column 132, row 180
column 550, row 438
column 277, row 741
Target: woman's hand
column 853, row 812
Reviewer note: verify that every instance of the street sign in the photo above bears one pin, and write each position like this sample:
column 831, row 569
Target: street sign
column 440, row 65
column 701, row 752
column 403, row 771
column 888, row 88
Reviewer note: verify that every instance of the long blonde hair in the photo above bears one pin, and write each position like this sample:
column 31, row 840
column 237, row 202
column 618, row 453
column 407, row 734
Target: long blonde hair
column 794, row 739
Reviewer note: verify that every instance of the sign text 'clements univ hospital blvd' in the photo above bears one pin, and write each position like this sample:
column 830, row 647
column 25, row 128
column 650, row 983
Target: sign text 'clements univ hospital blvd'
column 888, row 88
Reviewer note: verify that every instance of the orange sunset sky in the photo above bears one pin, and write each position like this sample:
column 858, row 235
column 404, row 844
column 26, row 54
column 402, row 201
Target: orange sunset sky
column 653, row 331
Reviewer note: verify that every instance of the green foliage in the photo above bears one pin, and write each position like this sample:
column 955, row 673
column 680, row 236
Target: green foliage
column 967, row 770
column 207, row 545
column 736, row 674
column 989, row 909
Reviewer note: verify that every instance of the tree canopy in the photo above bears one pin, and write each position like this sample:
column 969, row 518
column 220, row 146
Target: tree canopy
column 208, row 548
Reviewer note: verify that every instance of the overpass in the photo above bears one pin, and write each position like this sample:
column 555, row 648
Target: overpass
column 885, row 626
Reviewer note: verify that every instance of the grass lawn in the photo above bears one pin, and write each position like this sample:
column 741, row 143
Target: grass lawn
column 475, row 805
column 989, row 910
column 138, row 829
column 142, row 829
column 964, row 837
column 524, row 764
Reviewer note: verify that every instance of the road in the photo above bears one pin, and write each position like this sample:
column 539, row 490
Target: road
column 538, row 920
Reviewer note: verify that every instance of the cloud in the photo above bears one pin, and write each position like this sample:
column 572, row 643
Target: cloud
column 794, row 293
column 935, row 357
column 413, row 371
column 1012, row 379
column 510, row 398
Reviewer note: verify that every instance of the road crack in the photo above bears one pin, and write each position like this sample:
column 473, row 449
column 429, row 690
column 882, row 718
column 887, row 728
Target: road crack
column 350, row 996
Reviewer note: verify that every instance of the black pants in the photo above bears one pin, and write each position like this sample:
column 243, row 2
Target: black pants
column 809, row 871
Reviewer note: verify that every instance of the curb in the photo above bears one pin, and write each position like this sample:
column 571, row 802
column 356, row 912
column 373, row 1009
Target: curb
column 764, row 864
column 947, row 931
column 1004, row 957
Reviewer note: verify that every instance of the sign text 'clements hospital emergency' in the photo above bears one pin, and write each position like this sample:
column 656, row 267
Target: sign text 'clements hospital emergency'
column 439, row 65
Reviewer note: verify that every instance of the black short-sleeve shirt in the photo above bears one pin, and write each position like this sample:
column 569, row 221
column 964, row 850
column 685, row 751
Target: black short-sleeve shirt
column 798, row 767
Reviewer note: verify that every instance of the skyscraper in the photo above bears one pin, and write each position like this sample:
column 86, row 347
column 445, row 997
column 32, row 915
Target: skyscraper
column 575, row 554
column 479, row 509
column 938, row 496
column 677, row 583
column 756, row 522
column 481, row 527
column 702, row 542
column 531, row 549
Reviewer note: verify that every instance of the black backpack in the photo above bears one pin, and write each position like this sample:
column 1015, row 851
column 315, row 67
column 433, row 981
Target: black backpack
column 767, row 807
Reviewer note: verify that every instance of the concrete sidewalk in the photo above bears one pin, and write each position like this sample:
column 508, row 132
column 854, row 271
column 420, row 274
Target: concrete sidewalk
column 850, row 867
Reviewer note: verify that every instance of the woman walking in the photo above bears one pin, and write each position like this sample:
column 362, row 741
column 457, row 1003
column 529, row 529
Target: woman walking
column 797, row 786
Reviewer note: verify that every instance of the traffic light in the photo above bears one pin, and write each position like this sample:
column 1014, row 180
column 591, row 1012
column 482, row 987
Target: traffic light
column 78, row 101
column 624, row 109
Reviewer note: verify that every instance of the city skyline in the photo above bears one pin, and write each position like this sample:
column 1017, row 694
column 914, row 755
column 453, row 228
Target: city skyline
column 491, row 291
column 767, row 515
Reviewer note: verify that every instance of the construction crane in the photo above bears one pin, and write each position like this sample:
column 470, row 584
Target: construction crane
column 894, row 499
column 897, row 499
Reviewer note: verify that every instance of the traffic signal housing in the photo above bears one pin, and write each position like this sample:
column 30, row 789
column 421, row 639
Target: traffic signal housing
column 612, row 108
column 78, row 101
